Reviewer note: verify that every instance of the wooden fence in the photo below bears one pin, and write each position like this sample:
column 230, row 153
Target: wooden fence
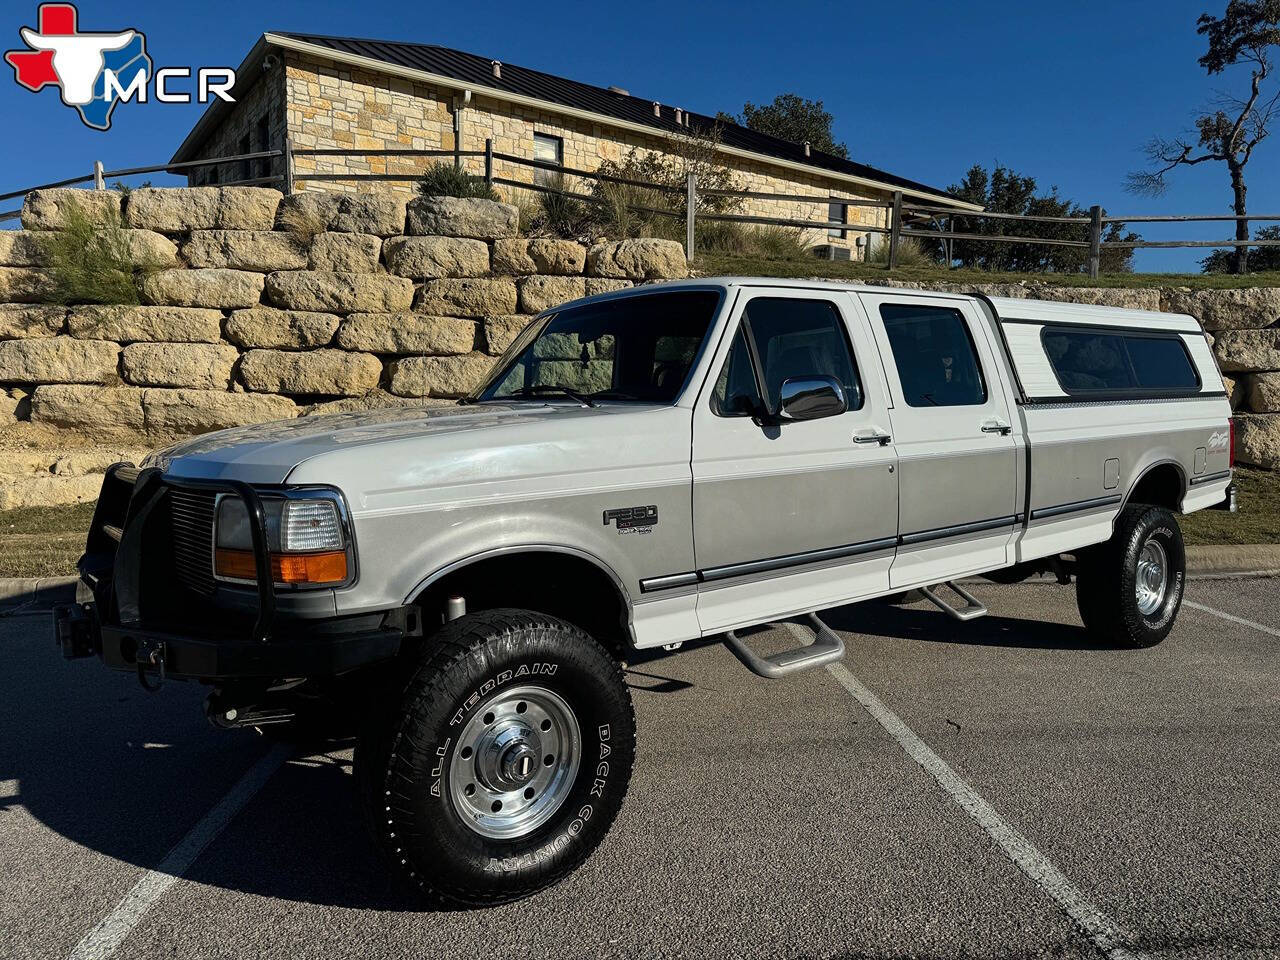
column 903, row 218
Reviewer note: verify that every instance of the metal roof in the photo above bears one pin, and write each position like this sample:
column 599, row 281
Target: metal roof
column 473, row 69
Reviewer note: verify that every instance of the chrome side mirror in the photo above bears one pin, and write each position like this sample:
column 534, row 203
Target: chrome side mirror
column 810, row 398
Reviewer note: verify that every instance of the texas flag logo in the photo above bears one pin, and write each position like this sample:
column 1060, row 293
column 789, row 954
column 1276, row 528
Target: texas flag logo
column 80, row 63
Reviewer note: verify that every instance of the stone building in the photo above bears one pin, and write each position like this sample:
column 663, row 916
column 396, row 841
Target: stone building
column 364, row 95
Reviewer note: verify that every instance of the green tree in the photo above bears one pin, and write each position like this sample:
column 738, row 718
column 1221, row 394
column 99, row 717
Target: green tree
column 791, row 117
column 1260, row 259
column 1004, row 191
column 1244, row 35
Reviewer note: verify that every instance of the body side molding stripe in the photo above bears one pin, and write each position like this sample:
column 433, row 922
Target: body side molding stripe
column 941, row 533
column 1075, row 507
column 795, row 559
column 1211, row 477
column 725, row 571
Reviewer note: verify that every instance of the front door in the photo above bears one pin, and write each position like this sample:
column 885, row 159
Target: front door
column 952, row 428
column 795, row 516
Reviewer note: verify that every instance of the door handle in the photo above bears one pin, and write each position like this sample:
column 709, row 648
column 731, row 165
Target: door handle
column 872, row 435
column 997, row 426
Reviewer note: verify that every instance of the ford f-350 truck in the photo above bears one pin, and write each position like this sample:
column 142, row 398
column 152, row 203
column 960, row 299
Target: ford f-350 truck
column 460, row 586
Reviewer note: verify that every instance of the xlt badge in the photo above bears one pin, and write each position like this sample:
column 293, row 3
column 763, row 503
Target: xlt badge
column 633, row 519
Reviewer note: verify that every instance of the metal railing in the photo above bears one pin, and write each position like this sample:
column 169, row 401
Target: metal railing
column 902, row 218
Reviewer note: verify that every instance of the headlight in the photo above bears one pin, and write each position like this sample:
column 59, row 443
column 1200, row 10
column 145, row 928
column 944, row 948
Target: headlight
column 305, row 540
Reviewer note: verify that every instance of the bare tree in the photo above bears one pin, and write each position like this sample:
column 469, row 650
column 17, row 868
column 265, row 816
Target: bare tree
column 1233, row 127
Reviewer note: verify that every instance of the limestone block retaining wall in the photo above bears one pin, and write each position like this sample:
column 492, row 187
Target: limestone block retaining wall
column 261, row 307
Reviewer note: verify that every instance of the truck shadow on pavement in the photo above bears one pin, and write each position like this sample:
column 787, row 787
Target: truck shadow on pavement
column 926, row 623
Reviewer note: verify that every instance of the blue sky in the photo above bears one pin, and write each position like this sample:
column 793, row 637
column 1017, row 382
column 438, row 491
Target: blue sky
column 1066, row 93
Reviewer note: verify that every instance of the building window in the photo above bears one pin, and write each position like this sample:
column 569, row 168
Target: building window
column 837, row 213
column 246, row 170
column 548, row 149
column 264, row 144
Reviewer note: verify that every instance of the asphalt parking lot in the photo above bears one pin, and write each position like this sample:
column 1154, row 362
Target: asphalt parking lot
column 1001, row 788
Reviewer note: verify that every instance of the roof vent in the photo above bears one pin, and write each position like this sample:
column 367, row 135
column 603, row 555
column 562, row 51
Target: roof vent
column 620, row 92
column 657, row 109
column 679, row 117
column 806, row 148
column 497, row 69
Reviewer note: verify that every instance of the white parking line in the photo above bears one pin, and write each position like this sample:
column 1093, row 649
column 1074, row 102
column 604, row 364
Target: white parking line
column 1232, row 617
column 104, row 939
column 1111, row 939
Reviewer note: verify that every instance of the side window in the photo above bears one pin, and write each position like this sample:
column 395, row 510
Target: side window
column 735, row 393
column 1118, row 361
column 792, row 338
column 935, row 356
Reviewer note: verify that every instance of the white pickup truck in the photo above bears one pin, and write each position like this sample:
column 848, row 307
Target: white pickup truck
column 461, row 585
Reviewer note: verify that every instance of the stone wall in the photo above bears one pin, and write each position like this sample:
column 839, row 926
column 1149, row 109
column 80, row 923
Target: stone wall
column 262, row 307
column 328, row 105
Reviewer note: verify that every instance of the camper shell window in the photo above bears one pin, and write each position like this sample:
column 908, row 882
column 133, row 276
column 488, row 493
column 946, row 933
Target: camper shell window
column 1119, row 364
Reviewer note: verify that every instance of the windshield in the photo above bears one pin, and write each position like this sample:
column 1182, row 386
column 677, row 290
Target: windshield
column 637, row 348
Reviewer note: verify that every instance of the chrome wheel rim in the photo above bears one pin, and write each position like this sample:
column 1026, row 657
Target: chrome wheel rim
column 1153, row 577
column 515, row 762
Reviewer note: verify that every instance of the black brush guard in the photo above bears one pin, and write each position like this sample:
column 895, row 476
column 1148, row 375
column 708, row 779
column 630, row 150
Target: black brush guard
column 300, row 641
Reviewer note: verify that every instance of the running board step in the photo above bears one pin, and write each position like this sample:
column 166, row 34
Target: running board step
column 972, row 609
column 825, row 648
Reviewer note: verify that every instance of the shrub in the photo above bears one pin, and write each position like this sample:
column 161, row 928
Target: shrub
column 769, row 242
column 94, row 262
column 564, row 216
column 529, row 206
column 444, row 179
column 306, row 222
column 910, row 253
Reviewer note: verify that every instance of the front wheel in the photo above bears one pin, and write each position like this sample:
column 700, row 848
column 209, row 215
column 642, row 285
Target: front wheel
column 504, row 764
column 1129, row 589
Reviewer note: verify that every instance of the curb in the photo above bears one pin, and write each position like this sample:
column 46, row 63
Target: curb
column 1259, row 559
column 35, row 594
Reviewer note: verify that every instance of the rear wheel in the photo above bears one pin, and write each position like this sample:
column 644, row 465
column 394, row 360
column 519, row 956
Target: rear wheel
column 1129, row 589
column 503, row 765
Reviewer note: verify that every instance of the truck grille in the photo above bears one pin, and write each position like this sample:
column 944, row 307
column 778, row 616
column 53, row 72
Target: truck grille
column 192, row 529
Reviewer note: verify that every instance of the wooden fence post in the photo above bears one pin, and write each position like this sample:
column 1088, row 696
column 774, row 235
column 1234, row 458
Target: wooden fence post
column 288, row 166
column 488, row 163
column 895, row 229
column 98, row 182
column 691, row 201
column 1095, row 241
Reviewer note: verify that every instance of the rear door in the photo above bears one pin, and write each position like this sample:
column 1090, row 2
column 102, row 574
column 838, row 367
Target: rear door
column 799, row 515
column 952, row 427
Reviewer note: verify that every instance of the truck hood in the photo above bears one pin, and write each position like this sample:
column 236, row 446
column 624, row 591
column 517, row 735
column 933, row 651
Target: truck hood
column 269, row 452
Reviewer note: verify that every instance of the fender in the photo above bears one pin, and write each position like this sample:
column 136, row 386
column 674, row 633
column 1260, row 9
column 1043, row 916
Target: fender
column 1182, row 478
column 507, row 550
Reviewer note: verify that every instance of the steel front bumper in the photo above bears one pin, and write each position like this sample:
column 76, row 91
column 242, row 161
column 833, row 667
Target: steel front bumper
column 250, row 634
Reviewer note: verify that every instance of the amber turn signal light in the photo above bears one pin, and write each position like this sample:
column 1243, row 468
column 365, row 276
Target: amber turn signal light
column 311, row 568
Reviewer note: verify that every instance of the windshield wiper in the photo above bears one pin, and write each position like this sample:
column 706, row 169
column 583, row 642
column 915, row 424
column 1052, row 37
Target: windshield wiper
column 614, row 395
column 541, row 388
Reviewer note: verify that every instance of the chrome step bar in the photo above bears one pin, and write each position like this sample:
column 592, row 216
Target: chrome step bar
column 972, row 609
column 825, row 648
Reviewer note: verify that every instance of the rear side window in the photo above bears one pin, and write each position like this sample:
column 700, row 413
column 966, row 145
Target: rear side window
column 1120, row 363
column 935, row 356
